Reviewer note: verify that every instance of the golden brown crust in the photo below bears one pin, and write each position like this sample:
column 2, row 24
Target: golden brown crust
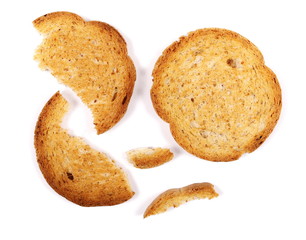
column 91, row 58
column 149, row 157
column 215, row 91
column 71, row 167
column 177, row 196
column 42, row 24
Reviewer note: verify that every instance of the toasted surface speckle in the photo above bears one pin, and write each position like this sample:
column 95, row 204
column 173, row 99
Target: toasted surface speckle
column 215, row 91
column 91, row 58
column 177, row 196
column 149, row 157
column 71, row 167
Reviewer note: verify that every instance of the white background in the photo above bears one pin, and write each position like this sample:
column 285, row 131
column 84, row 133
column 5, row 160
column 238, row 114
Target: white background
column 262, row 195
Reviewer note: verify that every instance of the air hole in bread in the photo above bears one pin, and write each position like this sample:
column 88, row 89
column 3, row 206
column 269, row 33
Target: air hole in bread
column 124, row 99
column 230, row 62
column 70, row 175
column 115, row 94
column 234, row 63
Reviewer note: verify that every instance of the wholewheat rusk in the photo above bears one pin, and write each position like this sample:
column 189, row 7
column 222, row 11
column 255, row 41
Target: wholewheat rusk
column 71, row 167
column 213, row 88
column 149, row 157
column 91, row 58
column 177, row 196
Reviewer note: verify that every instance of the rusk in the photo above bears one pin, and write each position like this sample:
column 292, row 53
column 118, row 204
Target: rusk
column 149, row 157
column 91, row 58
column 177, row 196
column 214, row 89
column 71, row 167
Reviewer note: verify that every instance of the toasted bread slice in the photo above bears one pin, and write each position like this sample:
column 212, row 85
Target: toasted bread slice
column 149, row 157
column 71, row 167
column 91, row 58
column 215, row 91
column 177, row 196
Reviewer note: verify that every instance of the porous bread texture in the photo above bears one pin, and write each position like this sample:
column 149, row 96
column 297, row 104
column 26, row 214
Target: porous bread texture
column 149, row 157
column 71, row 167
column 177, row 196
column 91, row 58
column 215, row 91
